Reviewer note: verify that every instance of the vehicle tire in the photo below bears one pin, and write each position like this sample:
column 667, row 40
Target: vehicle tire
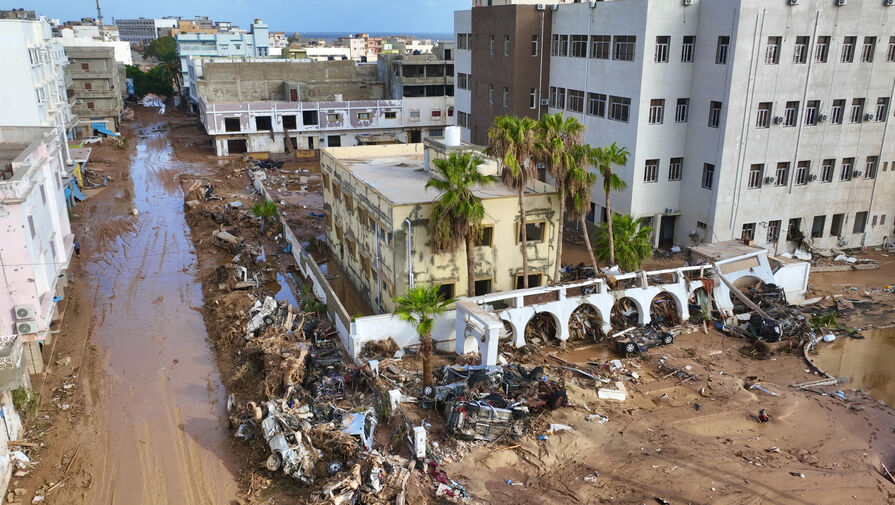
column 668, row 339
column 274, row 461
column 557, row 399
column 630, row 348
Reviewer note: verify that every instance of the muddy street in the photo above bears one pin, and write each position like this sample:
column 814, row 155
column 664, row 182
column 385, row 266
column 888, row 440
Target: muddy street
column 159, row 404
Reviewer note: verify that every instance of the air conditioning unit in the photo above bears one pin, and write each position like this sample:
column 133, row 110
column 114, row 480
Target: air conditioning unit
column 541, row 7
column 24, row 312
column 858, row 173
column 888, row 3
column 669, row 210
column 812, row 177
column 778, row 119
column 822, row 118
column 792, row 2
column 843, row 242
column 840, row 3
column 26, row 327
column 868, row 117
column 554, row 7
column 688, row 2
column 592, row 3
column 768, row 180
column 545, row 102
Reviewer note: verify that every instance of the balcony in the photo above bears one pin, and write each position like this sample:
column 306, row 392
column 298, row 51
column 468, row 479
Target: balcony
column 10, row 351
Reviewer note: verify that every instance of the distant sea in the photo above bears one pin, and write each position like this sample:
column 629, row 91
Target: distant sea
column 336, row 35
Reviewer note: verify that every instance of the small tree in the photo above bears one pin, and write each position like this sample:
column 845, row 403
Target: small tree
column 420, row 306
column 631, row 241
column 603, row 158
column 266, row 211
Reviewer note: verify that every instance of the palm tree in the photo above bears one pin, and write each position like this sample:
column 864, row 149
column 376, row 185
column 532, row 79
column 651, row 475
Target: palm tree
column 420, row 306
column 603, row 158
column 633, row 244
column 581, row 183
column 458, row 212
column 555, row 141
column 266, row 211
column 511, row 140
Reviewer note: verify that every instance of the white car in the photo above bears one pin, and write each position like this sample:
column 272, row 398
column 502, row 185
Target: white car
column 92, row 140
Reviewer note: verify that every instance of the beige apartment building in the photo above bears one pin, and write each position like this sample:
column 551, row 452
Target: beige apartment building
column 377, row 216
column 97, row 85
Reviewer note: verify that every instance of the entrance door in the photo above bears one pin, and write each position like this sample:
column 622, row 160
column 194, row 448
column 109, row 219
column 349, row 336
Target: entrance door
column 310, row 142
column 666, row 232
column 236, row 146
column 415, row 136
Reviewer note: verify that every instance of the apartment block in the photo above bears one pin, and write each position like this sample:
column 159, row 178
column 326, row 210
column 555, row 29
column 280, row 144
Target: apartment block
column 377, row 214
column 96, row 88
column 144, row 31
column 417, row 75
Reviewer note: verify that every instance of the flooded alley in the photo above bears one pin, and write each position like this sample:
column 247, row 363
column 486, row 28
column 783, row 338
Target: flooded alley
column 866, row 363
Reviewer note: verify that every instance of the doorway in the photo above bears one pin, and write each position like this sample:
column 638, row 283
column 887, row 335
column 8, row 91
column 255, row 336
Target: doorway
column 236, row 146
column 414, row 136
column 666, row 232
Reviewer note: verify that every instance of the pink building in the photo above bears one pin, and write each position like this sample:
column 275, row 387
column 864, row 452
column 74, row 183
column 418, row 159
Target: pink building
column 35, row 249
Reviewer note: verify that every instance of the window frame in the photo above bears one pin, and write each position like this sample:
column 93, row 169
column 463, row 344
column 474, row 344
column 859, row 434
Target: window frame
column 600, row 47
column 543, row 225
column 663, row 49
column 688, row 49
column 682, row 110
column 651, row 171
column 675, row 169
column 708, row 176
column 756, row 176
column 624, row 47
column 722, row 50
column 827, row 169
column 656, row 111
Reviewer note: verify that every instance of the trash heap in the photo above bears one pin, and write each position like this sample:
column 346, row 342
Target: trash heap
column 779, row 321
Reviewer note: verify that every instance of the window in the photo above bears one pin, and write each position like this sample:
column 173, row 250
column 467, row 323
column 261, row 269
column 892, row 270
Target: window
column 532, row 98
column 763, row 119
column 491, row 45
column 576, row 100
column 34, row 55
column 486, row 239
column 506, row 45
column 552, row 100
column 857, row 110
column 619, row 108
column 352, row 248
column 714, row 114
column 88, row 85
column 490, row 93
column 560, row 98
column 848, row 49
column 506, row 96
column 600, row 46
column 656, row 111
column 794, row 230
column 42, row 95
column 791, row 114
column 337, row 192
column 289, row 122
column 446, row 290
column 756, row 172
column 31, row 226
column 782, row 175
column 836, row 225
column 836, row 111
column 85, row 66
column 596, row 104
column 560, row 46
column 721, row 51
column 310, row 117
column 334, row 140
column 231, row 124
column 391, row 115
column 462, row 81
column 868, row 49
column 43, row 193
column 462, row 119
column 882, row 108
column 662, row 46
column 534, row 280
column 623, row 47
column 802, row 169
column 890, row 53
column 326, row 183
column 90, row 105
column 535, row 41
column 845, row 172
column 534, row 232
column 651, row 171
column 817, row 226
column 436, row 113
column 748, row 233
column 800, row 54
column 687, row 49
column 579, row 46
column 772, row 53
column 822, row 49
column 462, row 41
column 811, row 109
column 682, row 110
column 675, row 169
column 773, row 231
column 860, row 222
column 870, row 167
column 708, row 175
column 333, row 116
column 482, row 287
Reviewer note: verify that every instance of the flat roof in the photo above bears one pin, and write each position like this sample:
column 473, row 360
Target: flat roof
column 10, row 151
column 724, row 250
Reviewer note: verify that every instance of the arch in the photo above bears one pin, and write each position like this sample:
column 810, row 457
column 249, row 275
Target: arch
column 746, row 282
column 450, row 112
column 542, row 325
column 586, row 322
column 665, row 308
column 699, row 299
column 625, row 312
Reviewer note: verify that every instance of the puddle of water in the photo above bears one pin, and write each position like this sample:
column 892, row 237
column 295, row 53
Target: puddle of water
column 581, row 354
column 867, row 363
column 283, row 290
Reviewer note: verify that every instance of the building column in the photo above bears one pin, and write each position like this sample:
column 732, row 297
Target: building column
column 34, row 361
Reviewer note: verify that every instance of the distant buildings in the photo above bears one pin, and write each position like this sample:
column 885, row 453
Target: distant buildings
column 17, row 14
column 144, row 31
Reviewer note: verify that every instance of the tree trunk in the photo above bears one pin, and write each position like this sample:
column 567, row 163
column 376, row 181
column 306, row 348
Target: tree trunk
column 524, row 234
column 426, row 352
column 609, row 228
column 557, row 275
column 590, row 249
column 470, row 262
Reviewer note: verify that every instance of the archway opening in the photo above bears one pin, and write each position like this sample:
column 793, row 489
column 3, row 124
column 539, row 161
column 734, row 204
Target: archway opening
column 624, row 314
column 586, row 323
column 541, row 328
column 701, row 304
column 664, row 310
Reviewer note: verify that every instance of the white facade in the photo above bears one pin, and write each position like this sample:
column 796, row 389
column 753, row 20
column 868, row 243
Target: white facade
column 142, row 30
column 720, row 167
column 328, row 52
column 462, row 65
column 122, row 48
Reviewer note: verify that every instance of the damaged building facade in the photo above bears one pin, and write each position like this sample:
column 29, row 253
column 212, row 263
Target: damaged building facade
column 377, row 216
column 284, row 105
column 97, row 88
column 756, row 120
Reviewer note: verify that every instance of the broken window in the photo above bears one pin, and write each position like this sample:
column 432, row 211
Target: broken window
column 772, row 54
column 334, row 141
column 486, row 239
column 391, row 115
column 860, row 222
column 482, row 287
column 289, row 122
column 773, row 231
column 446, row 290
column 534, row 280
column 263, row 123
column 309, row 118
column 794, row 231
column 748, row 232
column 836, row 225
column 231, row 124
column 534, row 232
column 817, row 227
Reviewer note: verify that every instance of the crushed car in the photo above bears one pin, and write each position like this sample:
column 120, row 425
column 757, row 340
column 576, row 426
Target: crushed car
column 641, row 338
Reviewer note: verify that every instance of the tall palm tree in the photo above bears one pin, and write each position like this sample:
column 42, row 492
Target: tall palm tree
column 458, row 213
column 604, row 158
column 581, row 183
column 420, row 306
column 555, row 142
column 634, row 243
column 511, row 140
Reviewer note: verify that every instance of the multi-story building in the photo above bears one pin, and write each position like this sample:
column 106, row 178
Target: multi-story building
column 281, row 105
column 414, row 75
column 255, row 43
column 144, row 31
column 37, row 242
column 17, row 14
column 96, row 88
column 92, row 37
column 377, row 215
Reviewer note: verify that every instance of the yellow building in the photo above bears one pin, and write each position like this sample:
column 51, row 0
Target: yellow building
column 374, row 194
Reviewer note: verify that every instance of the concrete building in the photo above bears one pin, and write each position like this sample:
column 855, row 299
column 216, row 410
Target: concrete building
column 414, row 75
column 255, row 44
column 281, row 105
column 744, row 119
column 38, row 241
column 18, row 14
column 377, row 215
column 96, row 88
column 144, row 31
column 71, row 37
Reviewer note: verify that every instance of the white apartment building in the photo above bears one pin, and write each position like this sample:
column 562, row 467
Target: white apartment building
column 764, row 120
column 462, row 69
column 144, row 31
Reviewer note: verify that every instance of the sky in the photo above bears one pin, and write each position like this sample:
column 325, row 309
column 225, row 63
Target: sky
column 401, row 16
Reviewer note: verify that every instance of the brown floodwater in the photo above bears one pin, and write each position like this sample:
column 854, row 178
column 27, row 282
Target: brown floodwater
column 868, row 363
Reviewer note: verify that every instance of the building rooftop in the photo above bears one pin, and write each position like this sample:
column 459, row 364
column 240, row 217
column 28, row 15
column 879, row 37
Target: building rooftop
column 9, row 151
column 724, row 250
